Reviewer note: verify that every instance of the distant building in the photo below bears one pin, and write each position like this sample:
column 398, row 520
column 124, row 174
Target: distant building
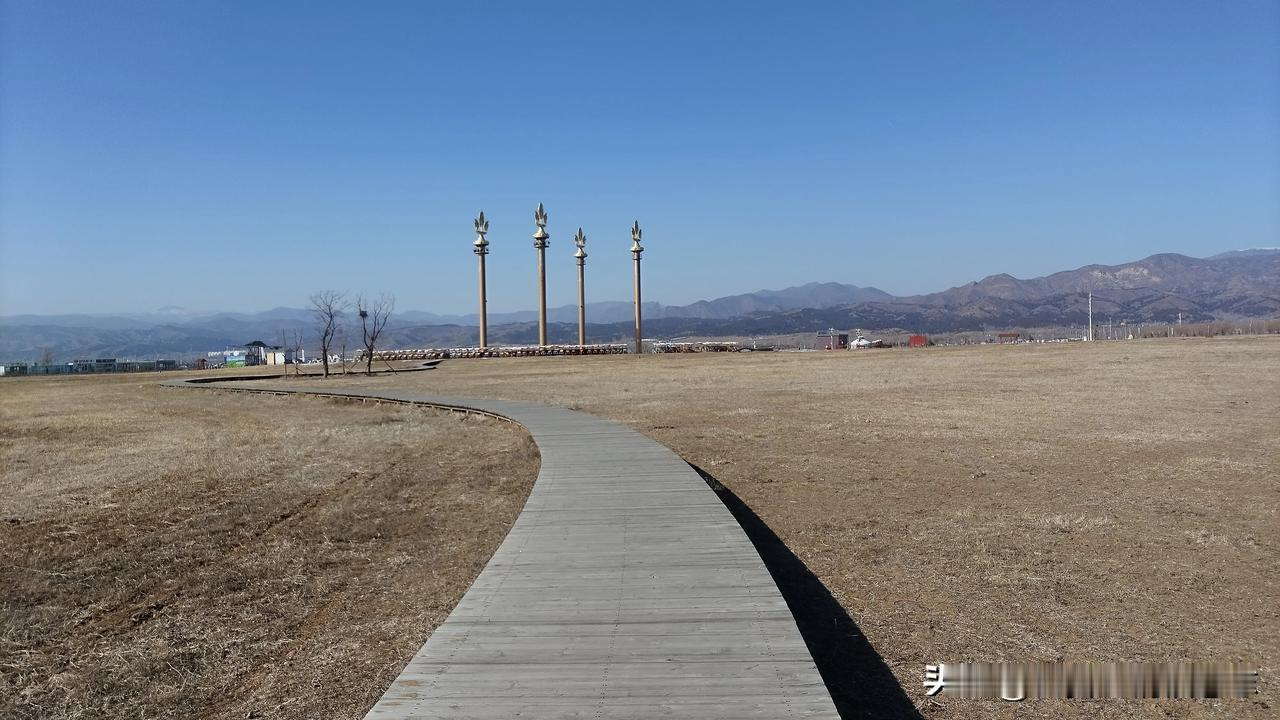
column 918, row 341
column 100, row 365
column 50, row 369
column 260, row 353
column 249, row 354
column 831, row 339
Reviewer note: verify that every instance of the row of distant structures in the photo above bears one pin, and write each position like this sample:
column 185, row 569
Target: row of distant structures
column 831, row 339
column 99, row 365
column 250, row 354
column 541, row 240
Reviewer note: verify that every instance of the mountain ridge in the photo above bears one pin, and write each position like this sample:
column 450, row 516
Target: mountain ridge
column 1235, row 284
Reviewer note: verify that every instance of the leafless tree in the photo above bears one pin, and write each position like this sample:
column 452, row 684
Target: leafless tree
column 374, row 315
column 297, row 352
column 328, row 307
column 46, row 356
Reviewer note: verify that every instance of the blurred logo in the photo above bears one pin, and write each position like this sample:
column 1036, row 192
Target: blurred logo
column 1092, row 681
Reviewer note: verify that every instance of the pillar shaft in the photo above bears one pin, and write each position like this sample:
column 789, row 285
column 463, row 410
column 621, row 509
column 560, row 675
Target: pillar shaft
column 484, row 308
column 639, row 348
column 542, row 296
column 582, row 303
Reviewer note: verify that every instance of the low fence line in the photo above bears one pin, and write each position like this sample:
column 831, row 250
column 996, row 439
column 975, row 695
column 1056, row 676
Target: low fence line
column 507, row 351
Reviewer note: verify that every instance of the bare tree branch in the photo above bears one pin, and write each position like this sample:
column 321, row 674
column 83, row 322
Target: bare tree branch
column 328, row 307
column 374, row 315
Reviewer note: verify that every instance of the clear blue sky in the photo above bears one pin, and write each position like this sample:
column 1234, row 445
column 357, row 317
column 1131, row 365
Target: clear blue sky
column 241, row 155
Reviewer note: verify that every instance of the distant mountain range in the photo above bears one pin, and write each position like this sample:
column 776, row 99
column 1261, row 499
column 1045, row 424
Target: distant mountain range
column 1239, row 284
column 819, row 295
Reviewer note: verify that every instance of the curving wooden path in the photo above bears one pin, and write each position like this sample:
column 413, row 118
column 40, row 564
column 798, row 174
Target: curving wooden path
column 625, row 589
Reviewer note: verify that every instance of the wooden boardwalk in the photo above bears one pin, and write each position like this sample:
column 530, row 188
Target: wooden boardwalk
column 625, row 589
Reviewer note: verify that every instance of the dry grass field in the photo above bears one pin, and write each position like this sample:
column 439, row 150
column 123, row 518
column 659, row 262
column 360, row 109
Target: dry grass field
column 1035, row 502
column 1079, row 502
column 186, row 554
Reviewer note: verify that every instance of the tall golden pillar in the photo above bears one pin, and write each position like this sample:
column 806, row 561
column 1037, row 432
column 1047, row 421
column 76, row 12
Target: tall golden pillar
column 636, row 249
column 581, row 253
column 482, row 249
column 540, row 241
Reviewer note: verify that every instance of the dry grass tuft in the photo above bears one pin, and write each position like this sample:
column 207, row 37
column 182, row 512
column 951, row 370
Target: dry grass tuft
column 1072, row 523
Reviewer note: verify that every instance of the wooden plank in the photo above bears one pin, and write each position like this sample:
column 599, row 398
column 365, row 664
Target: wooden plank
column 625, row 589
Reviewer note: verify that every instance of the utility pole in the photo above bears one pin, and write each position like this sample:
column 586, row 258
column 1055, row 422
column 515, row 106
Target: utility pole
column 581, row 253
column 482, row 249
column 1089, row 335
column 636, row 249
column 541, row 241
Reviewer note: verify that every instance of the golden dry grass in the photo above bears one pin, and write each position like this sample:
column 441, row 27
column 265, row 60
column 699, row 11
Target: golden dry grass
column 183, row 553
column 1081, row 502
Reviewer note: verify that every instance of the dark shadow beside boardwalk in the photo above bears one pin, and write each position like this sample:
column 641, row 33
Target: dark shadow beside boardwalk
column 857, row 677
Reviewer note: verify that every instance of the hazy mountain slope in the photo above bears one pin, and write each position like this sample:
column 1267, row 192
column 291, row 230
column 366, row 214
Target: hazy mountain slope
column 811, row 295
column 1230, row 274
column 818, row 295
column 1230, row 285
column 1251, row 252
